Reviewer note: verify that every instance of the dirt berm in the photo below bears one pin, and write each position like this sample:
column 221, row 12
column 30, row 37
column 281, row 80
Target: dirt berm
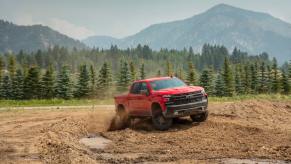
column 250, row 130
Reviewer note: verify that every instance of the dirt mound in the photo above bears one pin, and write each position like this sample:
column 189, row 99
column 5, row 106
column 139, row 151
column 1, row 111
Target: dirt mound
column 237, row 130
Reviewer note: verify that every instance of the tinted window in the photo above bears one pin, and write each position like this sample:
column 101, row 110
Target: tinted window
column 135, row 89
column 167, row 83
column 143, row 86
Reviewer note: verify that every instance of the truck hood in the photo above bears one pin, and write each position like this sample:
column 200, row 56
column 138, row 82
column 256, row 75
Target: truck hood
column 178, row 90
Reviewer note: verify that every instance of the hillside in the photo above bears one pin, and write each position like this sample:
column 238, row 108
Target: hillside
column 250, row 31
column 31, row 38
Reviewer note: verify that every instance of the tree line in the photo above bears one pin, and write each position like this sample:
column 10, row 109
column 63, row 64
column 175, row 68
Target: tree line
column 103, row 73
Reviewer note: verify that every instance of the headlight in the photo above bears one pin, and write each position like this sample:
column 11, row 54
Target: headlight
column 203, row 92
column 166, row 98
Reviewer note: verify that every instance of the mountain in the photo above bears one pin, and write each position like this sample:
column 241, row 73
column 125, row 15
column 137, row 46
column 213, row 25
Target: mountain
column 250, row 31
column 31, row 38
column 102, row 41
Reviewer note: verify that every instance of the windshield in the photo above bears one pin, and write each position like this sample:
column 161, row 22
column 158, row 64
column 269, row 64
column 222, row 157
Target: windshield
column 166, row 83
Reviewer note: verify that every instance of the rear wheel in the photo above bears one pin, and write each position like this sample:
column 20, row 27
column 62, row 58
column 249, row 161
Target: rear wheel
column 159, row 121
column 199, row 117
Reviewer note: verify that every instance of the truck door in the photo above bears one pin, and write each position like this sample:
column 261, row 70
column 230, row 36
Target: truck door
column 144, row 103
column 133, row 97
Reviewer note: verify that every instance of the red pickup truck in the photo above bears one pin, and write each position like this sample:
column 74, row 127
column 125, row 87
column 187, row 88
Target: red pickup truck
column 162, row 99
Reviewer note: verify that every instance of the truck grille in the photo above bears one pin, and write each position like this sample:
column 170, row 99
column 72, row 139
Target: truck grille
column 185, row 98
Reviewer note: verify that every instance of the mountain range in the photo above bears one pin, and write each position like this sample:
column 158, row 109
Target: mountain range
column 250, row 31
column 14, row 38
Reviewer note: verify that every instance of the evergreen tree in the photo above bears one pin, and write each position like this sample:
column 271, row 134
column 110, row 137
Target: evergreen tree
column 238, row 83
column 142, row 72
column 254, row 80
column 275, row 77
column 180, row 74
column 159, row 74
column 93, row 82
column 5, row 88
column 17, row 86
column 191, row 77
column 289, row 72
column 285, row 84
column 263, row 80
column 269, row 78
column 104, row 79
column 124, row 77
column 169, row 69
column 64, row 85
column 83, row 87
column 48, row 84
column 12, row 66
column 2, row 67
column 32, row 84
column 219, row 86
column 132, row 71
column 246, row 80
column 227, row 78
column 206, row 80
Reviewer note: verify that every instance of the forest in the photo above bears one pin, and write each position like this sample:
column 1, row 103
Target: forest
column 98, row 73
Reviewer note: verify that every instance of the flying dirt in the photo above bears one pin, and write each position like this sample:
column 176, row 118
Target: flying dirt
column 248, row 131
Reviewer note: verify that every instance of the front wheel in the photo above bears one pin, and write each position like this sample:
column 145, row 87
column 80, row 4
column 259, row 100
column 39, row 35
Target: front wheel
column 200, row 117
column 160, row 122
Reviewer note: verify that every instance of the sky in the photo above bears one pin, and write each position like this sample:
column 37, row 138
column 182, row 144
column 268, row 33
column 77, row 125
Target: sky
column 119, row 18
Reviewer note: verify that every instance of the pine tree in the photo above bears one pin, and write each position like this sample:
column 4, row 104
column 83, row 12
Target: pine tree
column 219, row 86
column 246, row 79
column 191, row 77
column 64, row 85
column 227, row 78
column 169, row 69
column 289, row 72
column 5, row 88
column 93, row 82
column 285, row 84
column 159, row 74
column 2, row 67
column 32, row 84
column 83, row 87
column 275, row 77
column 206, row 80
column 124, row 77
column 132, row 71
column 180, row 74
column 104, row 80
column 12, row 66
column 142, row 72
column 269, row 78
column 17, row 85
column 48, row 84
column 238, row 83
column 254, row 80
column 263, row 80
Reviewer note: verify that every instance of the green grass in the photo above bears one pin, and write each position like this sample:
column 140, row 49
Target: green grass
column 273, row 97
column 54, row 102
column 81, row 102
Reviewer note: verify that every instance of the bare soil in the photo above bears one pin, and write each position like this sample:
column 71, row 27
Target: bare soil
column 235, row 132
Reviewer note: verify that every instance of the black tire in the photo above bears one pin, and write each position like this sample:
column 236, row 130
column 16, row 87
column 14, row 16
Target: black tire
column 159, row 121
column 199, row 117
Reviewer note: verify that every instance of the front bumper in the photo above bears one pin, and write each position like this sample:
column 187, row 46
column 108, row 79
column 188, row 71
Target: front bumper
column 182, row 110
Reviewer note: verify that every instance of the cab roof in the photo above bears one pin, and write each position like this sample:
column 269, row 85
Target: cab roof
column 154, row 79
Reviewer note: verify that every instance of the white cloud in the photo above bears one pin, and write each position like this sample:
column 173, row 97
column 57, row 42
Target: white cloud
column 60, row 25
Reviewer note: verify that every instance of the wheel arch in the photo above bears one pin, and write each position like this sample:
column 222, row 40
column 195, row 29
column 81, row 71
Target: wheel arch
column 155, row 107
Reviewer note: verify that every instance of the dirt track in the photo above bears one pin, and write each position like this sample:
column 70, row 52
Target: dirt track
column 239, row 130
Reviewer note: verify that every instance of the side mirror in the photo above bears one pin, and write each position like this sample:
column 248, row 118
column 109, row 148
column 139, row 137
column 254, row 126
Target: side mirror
column 144, row 92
